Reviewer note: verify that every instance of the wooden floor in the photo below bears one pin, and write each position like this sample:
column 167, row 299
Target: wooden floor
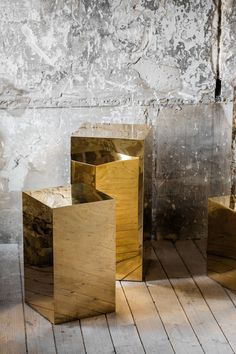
column 177, row 310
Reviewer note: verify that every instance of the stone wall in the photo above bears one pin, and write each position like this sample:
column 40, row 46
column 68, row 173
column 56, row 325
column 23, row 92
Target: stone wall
column 64, row 62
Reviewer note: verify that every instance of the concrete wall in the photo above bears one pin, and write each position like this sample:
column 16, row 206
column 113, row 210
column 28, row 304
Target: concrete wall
column 64, row 62
column 193, row 161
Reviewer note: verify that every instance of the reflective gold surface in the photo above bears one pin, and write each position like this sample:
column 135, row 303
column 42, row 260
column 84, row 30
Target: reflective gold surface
column 69, row 252
column 118, row 178
column 102, row 152
column 221, row 245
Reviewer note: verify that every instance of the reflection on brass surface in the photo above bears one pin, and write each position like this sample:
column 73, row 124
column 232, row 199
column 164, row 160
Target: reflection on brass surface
column 103, row 155
column 69, row 252
column 119, row 179
column 221, row 245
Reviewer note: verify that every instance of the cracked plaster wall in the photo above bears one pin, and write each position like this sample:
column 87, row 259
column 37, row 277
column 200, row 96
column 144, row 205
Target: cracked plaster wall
column 228, row 70
column 64, row 62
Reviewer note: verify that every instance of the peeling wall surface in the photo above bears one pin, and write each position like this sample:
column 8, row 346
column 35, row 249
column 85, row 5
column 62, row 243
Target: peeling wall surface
column 65, row 62
column 227, row 57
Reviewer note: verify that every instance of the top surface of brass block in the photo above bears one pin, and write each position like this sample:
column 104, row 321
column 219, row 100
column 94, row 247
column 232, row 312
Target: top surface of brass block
column 114, row 131
column 100, row 157
column 68, row 195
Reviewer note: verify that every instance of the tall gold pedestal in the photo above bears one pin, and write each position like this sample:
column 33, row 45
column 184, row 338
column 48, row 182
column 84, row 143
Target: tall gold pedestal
column 118, row 176
column 221, row 244
column 97, row 146
column 69, row 252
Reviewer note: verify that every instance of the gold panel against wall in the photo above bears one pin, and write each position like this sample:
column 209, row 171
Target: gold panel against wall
column 69, row 252
column 221, row 245
column 98, row 145
column 118, row 176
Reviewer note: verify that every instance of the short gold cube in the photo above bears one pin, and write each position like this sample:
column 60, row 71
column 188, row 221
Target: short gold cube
column 69, row 252
column 221, row 244
column 118, row 176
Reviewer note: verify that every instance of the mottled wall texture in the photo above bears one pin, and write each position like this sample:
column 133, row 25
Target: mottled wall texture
column 168, row 63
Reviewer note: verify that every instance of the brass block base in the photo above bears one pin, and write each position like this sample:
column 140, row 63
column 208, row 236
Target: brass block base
column 69, row 252
column 221, row 244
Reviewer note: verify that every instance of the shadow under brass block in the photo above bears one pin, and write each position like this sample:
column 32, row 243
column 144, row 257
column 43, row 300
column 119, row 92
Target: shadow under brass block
column 69, row 252
column 111, row 158
column 221, row 244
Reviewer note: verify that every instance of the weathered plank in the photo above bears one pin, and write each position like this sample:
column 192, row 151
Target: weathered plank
column 68, row 338
column 148, row 333
column 202, row 246
column 123, row 330
column 39, row 333
column 232, row 296
column 12, row 330
column 96, row 335
column 177, row 326
column 147, row 320
column 206, row 328
column 215, row 295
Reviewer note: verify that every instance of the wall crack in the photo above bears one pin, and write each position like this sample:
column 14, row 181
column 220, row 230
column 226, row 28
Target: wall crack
column 218, row 78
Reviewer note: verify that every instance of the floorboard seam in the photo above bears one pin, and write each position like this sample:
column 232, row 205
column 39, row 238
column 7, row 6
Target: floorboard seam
column 133, row 318
column 160, row 317
column 180, row 302
column 205, row 258
column 110, row 334
column 22, row 296
column 192, row 276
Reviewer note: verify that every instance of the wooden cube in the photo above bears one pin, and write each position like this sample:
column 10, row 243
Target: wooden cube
column 221, row 243
column 69, row 252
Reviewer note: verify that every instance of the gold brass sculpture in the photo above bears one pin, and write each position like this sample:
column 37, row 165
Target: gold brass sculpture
column 103, row 155
column 221, row 245
column 69, row 252
column 118, row 176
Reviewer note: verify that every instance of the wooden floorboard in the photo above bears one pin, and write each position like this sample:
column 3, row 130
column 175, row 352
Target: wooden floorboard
column 122, row 328
column 174, row 319
column 146, row 317
column 177, row 310
column 68, row 338
column 202, row 246
column 209, row 333
column 39, row 333
column 96, row 335
column 216, row 297
column 12, row 327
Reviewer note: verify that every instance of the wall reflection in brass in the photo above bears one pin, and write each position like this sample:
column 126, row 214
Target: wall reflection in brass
column 103, row 155
column 221, row 245
column 69, row 252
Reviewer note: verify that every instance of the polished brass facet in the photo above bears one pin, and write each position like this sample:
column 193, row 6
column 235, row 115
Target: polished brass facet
column 221, row 244
column 118, row 178
column 69, row 252
column 110, row 157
